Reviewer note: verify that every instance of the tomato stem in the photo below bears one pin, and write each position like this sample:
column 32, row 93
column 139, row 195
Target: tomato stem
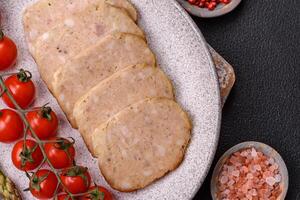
column 28, row 127
column 24, row 75
column 51, row 141
column 8, row 74
column 46, row 112
column 2, row 92
column 1, row 35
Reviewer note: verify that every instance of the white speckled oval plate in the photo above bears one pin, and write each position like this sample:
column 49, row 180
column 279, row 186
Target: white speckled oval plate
column 182, row 53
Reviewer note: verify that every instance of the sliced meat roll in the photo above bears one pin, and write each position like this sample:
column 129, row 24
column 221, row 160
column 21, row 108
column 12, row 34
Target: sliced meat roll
column 142, row 143
column 124, row 4
column 45, row 14
column 54, row 48
column 116, row 93
column 111, row 54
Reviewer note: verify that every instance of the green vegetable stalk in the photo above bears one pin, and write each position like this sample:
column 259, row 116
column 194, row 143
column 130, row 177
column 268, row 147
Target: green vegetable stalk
column 8, row 190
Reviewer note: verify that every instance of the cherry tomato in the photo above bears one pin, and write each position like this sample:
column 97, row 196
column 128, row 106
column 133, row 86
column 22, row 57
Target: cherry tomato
column 61, row 153
column 21, row 88
column 8, row 52
column 27, row 158
column 43, row 184
column 76, row 180
column 11, row 126
column 63, row 197
column 43, row 121
column 97, row 193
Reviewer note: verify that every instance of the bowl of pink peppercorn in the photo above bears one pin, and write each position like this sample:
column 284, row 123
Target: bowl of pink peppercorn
column 250, row 171
column 209, row 8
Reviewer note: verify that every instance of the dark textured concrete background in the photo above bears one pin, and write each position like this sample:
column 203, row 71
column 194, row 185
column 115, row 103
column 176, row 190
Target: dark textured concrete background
column 261, row 39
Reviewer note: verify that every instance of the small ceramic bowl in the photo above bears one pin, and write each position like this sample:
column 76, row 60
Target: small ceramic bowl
column 267, row 150
column 220, row 10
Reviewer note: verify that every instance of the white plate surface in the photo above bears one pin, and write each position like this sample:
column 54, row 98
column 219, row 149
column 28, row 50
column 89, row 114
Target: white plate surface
column 181, row 52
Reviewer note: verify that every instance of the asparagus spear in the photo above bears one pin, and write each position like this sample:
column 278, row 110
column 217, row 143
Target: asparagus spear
column 8, row 190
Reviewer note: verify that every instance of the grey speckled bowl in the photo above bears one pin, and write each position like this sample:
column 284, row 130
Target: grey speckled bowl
column 267, row 150
column 220, row 10
column 182, row 53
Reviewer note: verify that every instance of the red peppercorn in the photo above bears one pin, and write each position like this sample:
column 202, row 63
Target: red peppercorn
column 226, row 1
column 209, row 4
column 202, row 5
column 192, row 1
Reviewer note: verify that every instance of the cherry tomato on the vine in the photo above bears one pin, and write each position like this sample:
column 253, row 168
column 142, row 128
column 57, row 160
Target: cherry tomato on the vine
column 8, row 52
column 27, row 158
column 22, row 89
column 97, row 192
column 43, row 184
column 11, row 126
column 76, row 180
column 43, row 121
column 60, row 152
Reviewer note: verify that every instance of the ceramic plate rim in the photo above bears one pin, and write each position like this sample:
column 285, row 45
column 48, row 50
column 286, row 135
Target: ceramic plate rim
column 201, row 37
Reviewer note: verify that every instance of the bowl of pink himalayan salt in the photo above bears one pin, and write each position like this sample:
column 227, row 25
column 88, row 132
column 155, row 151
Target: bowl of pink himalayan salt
column 250, row 171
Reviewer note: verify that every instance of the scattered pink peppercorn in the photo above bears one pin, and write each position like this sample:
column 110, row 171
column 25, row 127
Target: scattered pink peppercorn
column 209, row 4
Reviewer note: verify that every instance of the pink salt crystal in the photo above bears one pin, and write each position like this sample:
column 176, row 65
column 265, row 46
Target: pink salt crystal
column 267, row 162
column 236, row 173
column 223, row 173
column 263, row 158
column 262, row 181
column 237, row 153
column 267, row 194
column 267, row 174
column 257, row 167
column 260, row 154
column 231, row 182
column 223, row 179
column 271, row 161
column 225, row 167
column 249, row 157
column 253, row 153
column 249, row 197
column 253, row 192
column 237, row 164
column 249, row 176
column 230, row 169
column 270, row 181
column 252, row 169
column 256, row 180
column 222, row 187
column 244, row 153
column 226, row 191
column 244, row 169
column 245, row 188
column 233, row 160
column 272, row 168
column 278, row 178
